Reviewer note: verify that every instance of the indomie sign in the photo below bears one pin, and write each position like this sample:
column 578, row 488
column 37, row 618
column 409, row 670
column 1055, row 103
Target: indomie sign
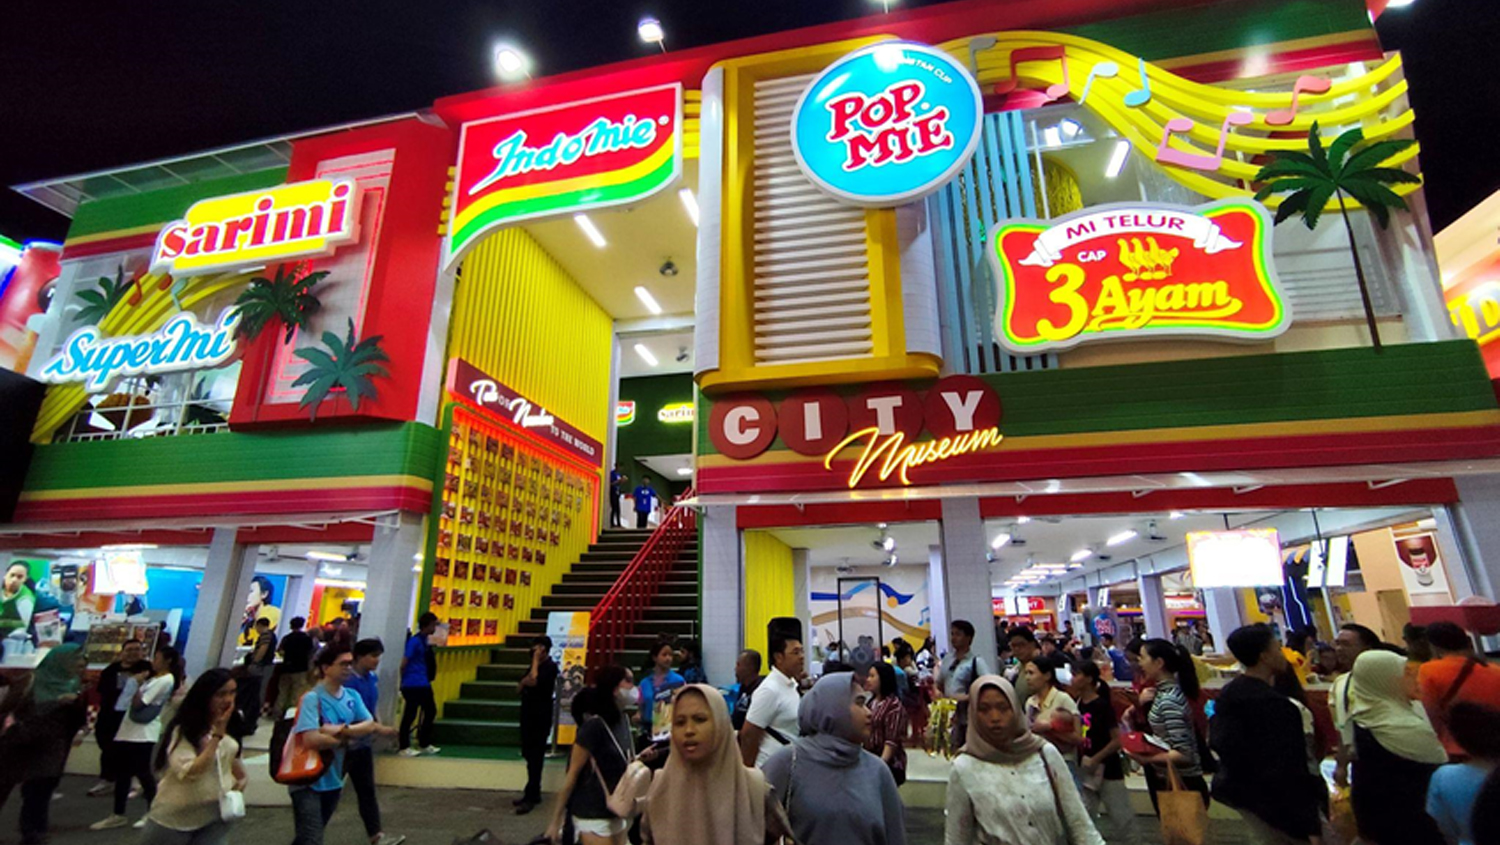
column 1137, row 270
column 880, row 425
column 607, row 151
column 256, row 228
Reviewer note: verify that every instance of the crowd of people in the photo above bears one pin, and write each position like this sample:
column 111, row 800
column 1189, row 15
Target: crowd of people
column 1043, row 740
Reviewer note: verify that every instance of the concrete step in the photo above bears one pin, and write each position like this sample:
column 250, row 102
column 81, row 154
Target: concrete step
column 500, row 673
column 476, row 732
column 655, row 615
column 482, row 710
column 656, row 622
column 662, row 600
column 489, row 691
column 598, row 588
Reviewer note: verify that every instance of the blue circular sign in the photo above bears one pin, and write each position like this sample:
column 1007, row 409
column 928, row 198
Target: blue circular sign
column 887, row 124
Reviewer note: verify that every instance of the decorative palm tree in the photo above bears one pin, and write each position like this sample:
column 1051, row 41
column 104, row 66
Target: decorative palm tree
column 98, row 303
column 346, row 364
column 1349, row 166
column 287, row 297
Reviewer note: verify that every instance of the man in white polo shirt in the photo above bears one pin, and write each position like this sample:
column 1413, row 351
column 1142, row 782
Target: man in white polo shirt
column 771, row 722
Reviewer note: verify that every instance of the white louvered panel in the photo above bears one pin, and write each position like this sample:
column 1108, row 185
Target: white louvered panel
column 812, row 274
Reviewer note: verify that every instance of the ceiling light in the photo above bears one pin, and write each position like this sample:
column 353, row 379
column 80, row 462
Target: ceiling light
column 1176, row 515
column 1070, row 127
column 1075, row 566
column 511, row 63
column 589, row 229
column 647, row 299
column 684, row 471
column 1122, row 537
column 1081, row 555
column 641, row 350
column 1117, row 159
column 1022, row 520
column 1195, row 479
column 690, row 203
column 651, row 32
column 127, row 547
column 1000, row 540
column 326, row 556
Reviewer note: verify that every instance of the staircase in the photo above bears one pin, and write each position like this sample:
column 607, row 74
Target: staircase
column 488, row 709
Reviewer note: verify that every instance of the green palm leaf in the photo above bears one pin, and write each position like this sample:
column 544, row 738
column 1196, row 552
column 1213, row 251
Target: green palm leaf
column 288, row 297
column 102, row 299
column 344, row 364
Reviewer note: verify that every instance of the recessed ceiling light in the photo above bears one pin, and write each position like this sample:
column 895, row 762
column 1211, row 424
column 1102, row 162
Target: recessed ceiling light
column 1122, row 537
column 647, row 299
column 684, row 471
column 326, row 556
column 690, row 203
column 1022, row 520
column 1117, row 159
column 641, row 350
column 1081, row 555
column 1000, row 540
column 1176, row 515
column 590, row 230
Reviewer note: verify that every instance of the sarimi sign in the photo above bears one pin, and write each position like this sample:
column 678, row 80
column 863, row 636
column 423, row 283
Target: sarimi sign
column 180, row 345
column 256, row 228
column 887, row 124
column 563, row 159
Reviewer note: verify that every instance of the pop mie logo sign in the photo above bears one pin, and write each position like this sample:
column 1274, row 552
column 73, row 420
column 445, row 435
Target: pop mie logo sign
column 887, row 124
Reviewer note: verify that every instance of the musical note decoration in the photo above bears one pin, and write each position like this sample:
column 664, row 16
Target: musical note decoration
column 1304, row 85
column 1102, row 70
column 976, row 44
column 1198, row 161
column 1141, row 96
column 1057, row 53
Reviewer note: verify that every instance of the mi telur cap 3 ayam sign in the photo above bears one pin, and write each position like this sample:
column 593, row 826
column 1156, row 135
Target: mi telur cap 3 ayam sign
column 1137, row 270
column 597, row 153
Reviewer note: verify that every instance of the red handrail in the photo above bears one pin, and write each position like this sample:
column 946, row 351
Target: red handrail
column 615, row 616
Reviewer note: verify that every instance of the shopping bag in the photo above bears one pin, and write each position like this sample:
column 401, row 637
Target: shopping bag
column 1184, row 819
column 300, row 763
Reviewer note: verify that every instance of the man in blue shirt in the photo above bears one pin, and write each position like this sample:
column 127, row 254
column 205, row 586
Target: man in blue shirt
column 329, row 718
column 617, row 486
column 645, row 497
column 1123, row 672
column 359, row 760
column 416, row 688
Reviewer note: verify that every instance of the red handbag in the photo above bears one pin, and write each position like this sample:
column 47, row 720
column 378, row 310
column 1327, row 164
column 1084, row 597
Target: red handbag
column 300, row 763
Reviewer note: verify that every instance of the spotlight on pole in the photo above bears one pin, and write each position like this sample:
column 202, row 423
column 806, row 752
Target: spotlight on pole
column 511, row 64
column 652, row 33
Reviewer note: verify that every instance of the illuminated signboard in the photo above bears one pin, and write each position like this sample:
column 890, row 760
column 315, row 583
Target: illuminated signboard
column 563, row 159
column 1247, row 557
column 677, row 412
column 261, row 227
column 472, row 384
column 1137, row 270
column 182, row 344
column 625, row 412
column 882, row 423
column 887, row 124
column 1475, row 310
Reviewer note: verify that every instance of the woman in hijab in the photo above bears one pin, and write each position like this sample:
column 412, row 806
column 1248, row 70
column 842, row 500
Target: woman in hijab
column 705, row 795
column 1396, row 751
column 834, row 791
column 48, row 712
column 1009, row 785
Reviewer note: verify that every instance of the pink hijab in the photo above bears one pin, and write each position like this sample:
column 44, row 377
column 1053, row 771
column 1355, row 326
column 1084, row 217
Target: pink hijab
column 717, row 801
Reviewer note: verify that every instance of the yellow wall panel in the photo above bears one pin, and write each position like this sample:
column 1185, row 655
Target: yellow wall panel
column 769, row 588
column 520, row 317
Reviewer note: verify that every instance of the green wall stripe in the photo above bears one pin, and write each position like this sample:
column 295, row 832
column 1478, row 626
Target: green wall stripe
column 1210, row 28
column 165, row 205
column 409, row 449
column 648, row 435
column 1417, row 378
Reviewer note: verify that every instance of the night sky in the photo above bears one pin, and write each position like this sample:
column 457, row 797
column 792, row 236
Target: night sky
column 95, row 85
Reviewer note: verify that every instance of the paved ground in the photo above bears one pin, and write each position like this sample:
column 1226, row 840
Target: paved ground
column 426, row 816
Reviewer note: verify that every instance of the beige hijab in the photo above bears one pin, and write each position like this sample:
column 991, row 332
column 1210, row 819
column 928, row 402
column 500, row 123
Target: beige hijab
column 1022, row 744
column 717, row 801
column 1379, row 703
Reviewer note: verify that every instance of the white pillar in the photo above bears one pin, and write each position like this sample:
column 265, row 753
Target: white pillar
column 1153, row 605
column 937, row 599
column 1225, row 613
column 221, row 602
column 966, row 573
column 386, row 610
column 300, row 595
column 723, row 590
column 1476, row 532
column 801, row 585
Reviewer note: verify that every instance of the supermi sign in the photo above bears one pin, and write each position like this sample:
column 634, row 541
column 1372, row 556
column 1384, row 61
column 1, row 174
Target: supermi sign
column 887, row 124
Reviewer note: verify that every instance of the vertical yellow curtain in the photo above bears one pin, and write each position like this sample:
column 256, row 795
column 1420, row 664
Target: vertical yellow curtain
column 769, row 587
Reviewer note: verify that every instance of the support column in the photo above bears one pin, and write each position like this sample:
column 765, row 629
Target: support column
column 802, row 587
column 386, row 611
column 1225, row 613
column 221, row 603
column 966, row 573
column 300, row 598
column 1476, row 532
column 937, row 600
column 1153, row 605
column 722, row 582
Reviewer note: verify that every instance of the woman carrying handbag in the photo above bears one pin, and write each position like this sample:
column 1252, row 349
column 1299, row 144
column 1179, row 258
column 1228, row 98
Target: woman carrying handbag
column 202, row 782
